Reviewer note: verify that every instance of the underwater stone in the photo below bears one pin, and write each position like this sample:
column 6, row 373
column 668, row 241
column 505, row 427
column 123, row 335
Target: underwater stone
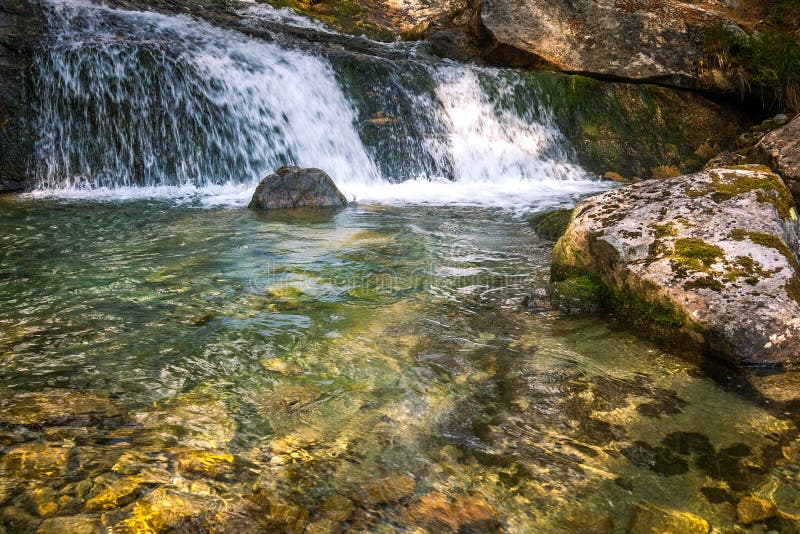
column 35, row 460
column 754, row 510
column 76, row 524
column 650, row 519
column 704, row 260
column 55, row 406
column 338, row 508
column 295, row 187
column 391, row 488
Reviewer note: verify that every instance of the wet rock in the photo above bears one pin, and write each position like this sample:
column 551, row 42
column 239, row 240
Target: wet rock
column 20, row 24
column 550, row 225
column 589, row 523
column 114, row 493
column 43, row 501
column 202, row 462
column 281, row 366
column 56, row 406
column 324, row 526
column 294, row 187
column 196, row 420
column 782, row 148
column 17, row 520
column 391, row 488
column 678, row 259
column 438, row 512
column 163, row 509
column 752, row 509
column 650, row 519
column 76, row 524
column 338, row 508
column 277, row 513
column 35, row 460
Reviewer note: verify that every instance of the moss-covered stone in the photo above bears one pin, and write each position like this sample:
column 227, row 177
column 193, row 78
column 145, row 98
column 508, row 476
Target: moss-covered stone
column 550, row 224
column 696, row 255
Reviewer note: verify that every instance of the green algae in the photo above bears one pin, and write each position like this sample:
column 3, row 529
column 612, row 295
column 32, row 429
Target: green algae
column 551, row 225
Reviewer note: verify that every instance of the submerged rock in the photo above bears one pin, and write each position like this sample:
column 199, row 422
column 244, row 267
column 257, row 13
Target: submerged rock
column 706, row 259
column 294, row 187
column 754, row 510
column 55, row 406
column 648, row 519
column 782, row 147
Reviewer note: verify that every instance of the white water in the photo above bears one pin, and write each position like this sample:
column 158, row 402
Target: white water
column 139, row 104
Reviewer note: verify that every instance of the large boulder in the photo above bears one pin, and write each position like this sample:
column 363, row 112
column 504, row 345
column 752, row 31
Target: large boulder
column 707, row 259
column 782, row 148
column 659, row 41
column 295, row 187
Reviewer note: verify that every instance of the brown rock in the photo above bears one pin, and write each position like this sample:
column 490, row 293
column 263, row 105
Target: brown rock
column 650, row 519
column 391, row 488
column 754, row 510
column 338, row 508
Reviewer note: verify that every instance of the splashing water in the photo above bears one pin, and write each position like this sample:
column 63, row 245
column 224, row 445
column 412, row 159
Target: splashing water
column 140, row 104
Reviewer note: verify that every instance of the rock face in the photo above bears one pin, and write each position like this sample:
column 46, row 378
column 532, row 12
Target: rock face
column 707, row 259
column 660, row 41
column 19, row 23
column 294, row 187
column 782, row 147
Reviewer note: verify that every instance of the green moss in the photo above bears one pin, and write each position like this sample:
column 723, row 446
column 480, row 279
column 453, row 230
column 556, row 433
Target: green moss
column 551, row 224
column 704, row 282
column 767, row 240
column 695, row 254
column 768, row 186
column 665, row 230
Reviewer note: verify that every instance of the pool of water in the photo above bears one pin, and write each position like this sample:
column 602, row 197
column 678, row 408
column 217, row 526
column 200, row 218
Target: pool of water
column 373, row 369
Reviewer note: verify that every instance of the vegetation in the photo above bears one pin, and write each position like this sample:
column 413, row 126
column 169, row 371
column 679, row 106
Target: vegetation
column 696, row 255
column 765, row 65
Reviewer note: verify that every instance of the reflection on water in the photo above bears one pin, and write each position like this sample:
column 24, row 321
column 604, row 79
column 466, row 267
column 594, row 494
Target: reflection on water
column 170, row 368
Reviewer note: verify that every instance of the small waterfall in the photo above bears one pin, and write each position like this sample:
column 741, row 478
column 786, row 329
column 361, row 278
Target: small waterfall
column 131, row 101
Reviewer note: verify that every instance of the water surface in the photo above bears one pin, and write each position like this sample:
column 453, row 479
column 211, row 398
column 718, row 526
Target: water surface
column 373, row 369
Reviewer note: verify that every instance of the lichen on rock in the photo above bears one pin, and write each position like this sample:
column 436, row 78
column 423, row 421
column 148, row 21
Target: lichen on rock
column 707, row 260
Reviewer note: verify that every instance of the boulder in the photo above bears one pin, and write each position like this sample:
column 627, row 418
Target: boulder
column 661, row 41
column 782, row 148
column 295, row 187
column 707, row 259
column 648, row 518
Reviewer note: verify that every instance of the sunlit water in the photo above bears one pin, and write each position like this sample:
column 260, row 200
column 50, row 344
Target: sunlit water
column 168, row 367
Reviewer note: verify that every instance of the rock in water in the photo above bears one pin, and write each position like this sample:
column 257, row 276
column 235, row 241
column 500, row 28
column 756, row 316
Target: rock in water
column 708, row 258
column 295, row 187
column 782, row 146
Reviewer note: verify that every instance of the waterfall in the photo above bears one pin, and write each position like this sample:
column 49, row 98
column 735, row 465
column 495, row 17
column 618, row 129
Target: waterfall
column 140, row 103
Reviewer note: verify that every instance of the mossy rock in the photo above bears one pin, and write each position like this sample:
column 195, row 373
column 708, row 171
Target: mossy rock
column 551, row 224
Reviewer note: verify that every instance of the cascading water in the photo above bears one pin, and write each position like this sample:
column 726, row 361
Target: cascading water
column 139, row 103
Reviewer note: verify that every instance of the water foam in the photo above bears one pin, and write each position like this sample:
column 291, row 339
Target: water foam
column 145, row 105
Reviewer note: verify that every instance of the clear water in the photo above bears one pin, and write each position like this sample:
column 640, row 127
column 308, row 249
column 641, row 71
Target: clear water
column 225, row 370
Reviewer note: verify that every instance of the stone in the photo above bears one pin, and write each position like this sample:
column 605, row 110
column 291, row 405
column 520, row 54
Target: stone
column 76, row 524
column 650, row 519
column 35, row 460
column 782, row 148
column 752, row 509
column 391, row 488
column 550, row 225
column 324, row 526
column 589, row 523
column 294, row 187
column 164, row 509
column 338, row 508
column 660, row 42
column 439, row 512
column 281, row 366
column 55, row 406
column 705, row 260
column 203, row 462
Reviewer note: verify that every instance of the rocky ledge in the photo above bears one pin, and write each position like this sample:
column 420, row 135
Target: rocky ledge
column 707, row 259
column 295, row 187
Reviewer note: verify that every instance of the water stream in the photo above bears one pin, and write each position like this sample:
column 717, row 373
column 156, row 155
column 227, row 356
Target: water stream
column 173, row 362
